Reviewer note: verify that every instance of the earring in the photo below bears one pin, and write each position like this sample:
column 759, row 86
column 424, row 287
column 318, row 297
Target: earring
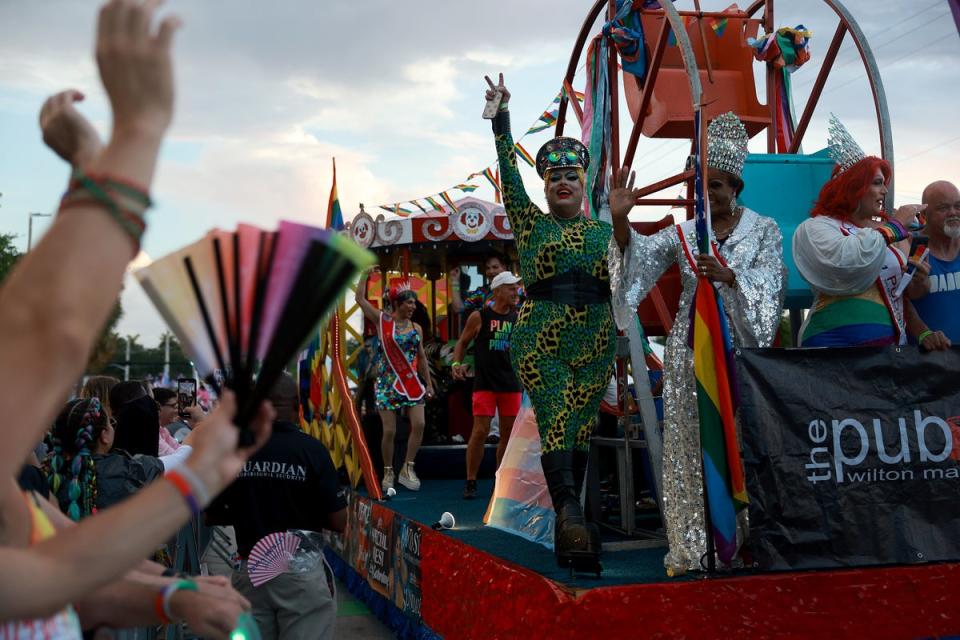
column 733, row 203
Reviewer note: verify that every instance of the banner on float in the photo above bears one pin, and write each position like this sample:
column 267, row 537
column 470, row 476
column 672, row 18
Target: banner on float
column 356, row 536
column 852, row 456
column 383, row 547
column 408, row 536
column 380, row 548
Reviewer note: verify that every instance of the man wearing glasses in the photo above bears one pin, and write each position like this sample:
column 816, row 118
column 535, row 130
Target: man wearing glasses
column 936, row 298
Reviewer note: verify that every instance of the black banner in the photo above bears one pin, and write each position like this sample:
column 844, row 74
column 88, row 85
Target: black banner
column 851, row 455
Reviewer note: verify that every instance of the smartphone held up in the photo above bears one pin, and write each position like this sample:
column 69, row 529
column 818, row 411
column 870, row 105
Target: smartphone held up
column 186, row 395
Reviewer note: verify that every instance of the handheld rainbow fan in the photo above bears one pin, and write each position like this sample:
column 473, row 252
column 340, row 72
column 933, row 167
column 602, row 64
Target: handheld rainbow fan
column 271, row 556
column 242, row 302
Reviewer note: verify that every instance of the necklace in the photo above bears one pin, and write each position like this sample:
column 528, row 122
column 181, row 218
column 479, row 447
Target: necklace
column 402, row 326
column 723, row 234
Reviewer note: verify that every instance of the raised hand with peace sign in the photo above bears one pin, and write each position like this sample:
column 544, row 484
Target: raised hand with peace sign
column 496, row 96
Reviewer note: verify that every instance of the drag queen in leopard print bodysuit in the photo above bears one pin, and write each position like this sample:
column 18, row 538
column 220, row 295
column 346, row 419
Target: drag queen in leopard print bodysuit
column 563, row 343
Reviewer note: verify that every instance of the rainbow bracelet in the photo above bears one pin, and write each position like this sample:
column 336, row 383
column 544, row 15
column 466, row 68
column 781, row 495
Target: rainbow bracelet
column 893, row 231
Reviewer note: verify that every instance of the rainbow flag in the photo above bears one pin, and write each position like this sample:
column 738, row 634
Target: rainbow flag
column 334, row 214
column 446, row 198
column 488, row 174
column 718, row 26
column 418, row 206
column 546, row 120
column 523, row 154
column 434, row 204
column 716, row 396
column 396, row 209
column 466, row 188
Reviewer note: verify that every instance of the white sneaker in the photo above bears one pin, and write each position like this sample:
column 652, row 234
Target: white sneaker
column 388, row 478
column 408, row 477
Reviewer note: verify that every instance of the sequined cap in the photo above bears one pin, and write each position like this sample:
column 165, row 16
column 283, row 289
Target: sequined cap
column 562, row 152
column 843, row 149
column 727, row 144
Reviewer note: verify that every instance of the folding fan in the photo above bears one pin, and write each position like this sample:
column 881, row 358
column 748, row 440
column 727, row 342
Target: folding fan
column 242, row 302
column 271, row 556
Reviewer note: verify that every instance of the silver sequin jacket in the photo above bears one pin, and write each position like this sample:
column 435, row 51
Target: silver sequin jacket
column 754, row 251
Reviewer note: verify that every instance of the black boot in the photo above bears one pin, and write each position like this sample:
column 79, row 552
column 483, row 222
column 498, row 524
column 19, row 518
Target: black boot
column 580, row 459
column 571, row 539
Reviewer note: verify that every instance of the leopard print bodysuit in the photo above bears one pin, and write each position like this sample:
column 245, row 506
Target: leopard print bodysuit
column 563, row 355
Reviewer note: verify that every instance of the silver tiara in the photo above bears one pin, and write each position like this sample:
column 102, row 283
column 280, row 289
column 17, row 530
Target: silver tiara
column 843, row 149
column 727, row 144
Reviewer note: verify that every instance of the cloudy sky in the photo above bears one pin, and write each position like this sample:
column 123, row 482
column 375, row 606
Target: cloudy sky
column 268, row 92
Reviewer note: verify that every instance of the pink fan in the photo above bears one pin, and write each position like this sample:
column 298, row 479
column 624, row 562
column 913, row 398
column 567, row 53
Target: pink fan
column 271, row 556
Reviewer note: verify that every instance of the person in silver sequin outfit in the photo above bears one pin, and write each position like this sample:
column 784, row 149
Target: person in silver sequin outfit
column 746, row 268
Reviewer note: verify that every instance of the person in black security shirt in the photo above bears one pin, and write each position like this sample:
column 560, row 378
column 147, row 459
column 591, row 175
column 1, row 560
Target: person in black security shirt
column 290, row 483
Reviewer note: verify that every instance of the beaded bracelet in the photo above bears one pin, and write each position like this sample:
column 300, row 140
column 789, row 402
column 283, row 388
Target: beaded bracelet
column 162, row 603
column 125, row 202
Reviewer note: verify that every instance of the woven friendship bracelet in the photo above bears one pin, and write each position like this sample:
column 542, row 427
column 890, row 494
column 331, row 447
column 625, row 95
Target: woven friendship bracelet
column 125, row 202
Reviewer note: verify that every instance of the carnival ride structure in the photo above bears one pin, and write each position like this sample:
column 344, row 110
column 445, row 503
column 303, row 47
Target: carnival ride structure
column 419, row 249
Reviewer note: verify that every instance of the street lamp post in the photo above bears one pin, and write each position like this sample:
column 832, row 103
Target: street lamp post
column 126, row 368
column 30, row 227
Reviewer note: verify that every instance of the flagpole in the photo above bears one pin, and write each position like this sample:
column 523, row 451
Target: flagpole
column 704, row 248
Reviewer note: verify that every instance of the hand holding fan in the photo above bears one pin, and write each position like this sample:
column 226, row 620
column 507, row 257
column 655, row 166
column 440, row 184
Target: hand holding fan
column 242, row 303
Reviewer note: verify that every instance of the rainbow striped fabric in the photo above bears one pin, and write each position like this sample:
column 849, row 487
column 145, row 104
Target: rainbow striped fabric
column 718, row 26
column 446, row 198
column 849, row 321
column 467, row 188
column 334, row 213
column 397, row 209
column 524, row 155
column 434, row 204
column 494, row 180
column 716, row 396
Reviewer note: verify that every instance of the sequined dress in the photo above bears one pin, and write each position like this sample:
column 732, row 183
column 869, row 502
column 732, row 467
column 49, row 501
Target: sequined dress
column 388, row 399
column 754, row 251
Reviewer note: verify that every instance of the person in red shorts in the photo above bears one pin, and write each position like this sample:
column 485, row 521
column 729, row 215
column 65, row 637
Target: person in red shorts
column 495, row 386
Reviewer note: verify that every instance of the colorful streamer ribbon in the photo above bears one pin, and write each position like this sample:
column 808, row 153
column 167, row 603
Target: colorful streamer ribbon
column 546, row 120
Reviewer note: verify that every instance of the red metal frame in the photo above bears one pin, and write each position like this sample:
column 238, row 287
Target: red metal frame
column 843, row 27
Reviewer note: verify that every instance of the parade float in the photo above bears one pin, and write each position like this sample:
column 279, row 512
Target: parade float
column 663, row 64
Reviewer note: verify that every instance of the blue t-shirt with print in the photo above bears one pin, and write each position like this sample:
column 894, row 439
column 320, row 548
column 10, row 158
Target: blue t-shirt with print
column 940, row 308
